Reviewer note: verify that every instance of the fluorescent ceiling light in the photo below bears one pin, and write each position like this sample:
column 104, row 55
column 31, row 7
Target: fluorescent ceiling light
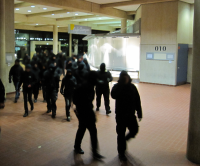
column 99, row 18
column 29, row 11
column 32, row 6
column 36, row 24
column 44, row 8
column 53, row 14
column 57, row 26
column 76, row 14
column 86, row 19
column 17, row 9
column 68, row 12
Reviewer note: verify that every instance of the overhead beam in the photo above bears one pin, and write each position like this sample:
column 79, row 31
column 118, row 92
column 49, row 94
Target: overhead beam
column 76, row 17
column 100, row 21
column 131, row 13
column 23, row 4
column 49, row 13
column 135, row 2
column 113, row 25
column 83, row 6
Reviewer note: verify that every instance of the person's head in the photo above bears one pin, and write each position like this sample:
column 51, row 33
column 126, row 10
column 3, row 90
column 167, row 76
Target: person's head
column 28, row 68
column 17, row 62
column 103, row 67
column 85, row 61
column 80, row 58
column 69, row 72
column 124, row 78
column 53, row 57
column 52, row 68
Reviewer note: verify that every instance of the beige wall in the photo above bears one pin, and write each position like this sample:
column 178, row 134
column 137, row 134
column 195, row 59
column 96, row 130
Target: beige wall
column 159, row 28
column 138, row 13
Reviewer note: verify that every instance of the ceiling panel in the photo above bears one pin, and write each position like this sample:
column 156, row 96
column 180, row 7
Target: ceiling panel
column 188, row 1
column 36, row 9
column 129, row 8
column 16, row 1
column 106, row 1
column 93, row 19
column 70, row 14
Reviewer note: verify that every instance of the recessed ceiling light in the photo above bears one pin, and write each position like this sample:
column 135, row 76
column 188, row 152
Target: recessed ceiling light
column 36, row 24
column 17, row 9
column 53, row 14
column 68, row 12
column 85, row 19
column 44, row 8
column 99, row 18
column 29, row 11
column 32, row 6
column 76, row 14
column 57, row 26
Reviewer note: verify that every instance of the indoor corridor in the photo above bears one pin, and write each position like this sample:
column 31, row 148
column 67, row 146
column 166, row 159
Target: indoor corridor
column 39, row 140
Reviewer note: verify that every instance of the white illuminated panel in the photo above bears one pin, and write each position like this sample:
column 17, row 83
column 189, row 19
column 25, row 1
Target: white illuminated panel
column 160, row 56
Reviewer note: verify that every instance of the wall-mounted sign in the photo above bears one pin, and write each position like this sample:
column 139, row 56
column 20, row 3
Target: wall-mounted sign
column 160, row 48
column 81, row 30
column 160, row 56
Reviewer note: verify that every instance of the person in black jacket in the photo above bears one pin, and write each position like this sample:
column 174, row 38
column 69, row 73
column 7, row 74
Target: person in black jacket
column 127, row 102
column 2, row 95
column 87, row 64
column 15, row 75
column 26, row 59
column 44, row 68
column 29, row 80
column 34, row 60
column 45, row 58
column 36, row 71
column 51, row 82
column 83, row 98
column 103, row 89
column 68, row 83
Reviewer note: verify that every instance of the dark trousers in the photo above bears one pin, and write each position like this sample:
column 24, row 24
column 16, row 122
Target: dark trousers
column 36, row 90
column 51, row 100
column 44, row 92
column 27, row 98
column 123, row 122
column 17, row 90
column 86, row 122
column 68, row 101
column 106, row 95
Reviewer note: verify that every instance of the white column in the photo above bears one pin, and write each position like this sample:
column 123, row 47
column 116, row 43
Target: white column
column 70, row 44
column 55, row 39
column 123, row 25
column 193, row 146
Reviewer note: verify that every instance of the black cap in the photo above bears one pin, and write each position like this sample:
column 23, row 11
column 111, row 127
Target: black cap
column 28, row 66
column 17, row 60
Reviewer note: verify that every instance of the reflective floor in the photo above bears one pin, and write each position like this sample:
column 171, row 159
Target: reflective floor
column 39, row 140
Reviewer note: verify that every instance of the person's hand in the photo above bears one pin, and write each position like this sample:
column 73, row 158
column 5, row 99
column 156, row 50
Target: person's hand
column 140, row 119
column 29, row 86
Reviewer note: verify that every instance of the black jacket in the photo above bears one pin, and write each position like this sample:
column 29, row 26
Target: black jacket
column 69, row 84
column 127, row 99
column 51, row 80
column 26, row 60
column 15, row 73
column 36, row 71
column 105, row 77
column 28, row 78
column 2, row 92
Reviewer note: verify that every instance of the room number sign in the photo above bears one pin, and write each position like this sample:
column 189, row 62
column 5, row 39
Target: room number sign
column 160, row 48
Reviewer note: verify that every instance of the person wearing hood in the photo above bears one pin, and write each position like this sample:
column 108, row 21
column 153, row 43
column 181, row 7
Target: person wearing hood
column 2, row 95
column 67, row 89
column 36, row 71
column 83, row 98
column 15, row 75
column 103, row 89
column 51, row 82
column 127, row 103
column 29, row 80
column 52, row 60
column 87, row 64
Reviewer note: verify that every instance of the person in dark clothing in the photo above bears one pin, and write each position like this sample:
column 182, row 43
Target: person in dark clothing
column 26, row 59
column 34, row 60
column 52, row 60
column 71, row 62
column 103, row 89
column 68, row 83
column 45, row 58
column 87, row 65
column 29, row 80
column 2, row 95
column 15, row 75
column 51, row 82
column 36, row 71
column 42, row 82
column 83, row 98
column 127, row 102
column 80, row 61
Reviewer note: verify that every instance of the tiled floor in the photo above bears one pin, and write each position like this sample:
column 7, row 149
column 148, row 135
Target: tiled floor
column 39, row 140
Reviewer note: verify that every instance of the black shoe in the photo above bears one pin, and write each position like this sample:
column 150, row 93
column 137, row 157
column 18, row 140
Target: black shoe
column 53, row 115
column 15, row 101
column 48, row 111
column 108, row 112
column 32, row 108
column 97, row 156
column 79, row 151
column 122, row 157
column 97, row 109
column 35, row 101
column 44, row 101
column 25, row 115
column 68, row 118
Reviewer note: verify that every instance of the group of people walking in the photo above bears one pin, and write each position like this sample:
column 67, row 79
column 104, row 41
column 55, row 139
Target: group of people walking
column 78, row 86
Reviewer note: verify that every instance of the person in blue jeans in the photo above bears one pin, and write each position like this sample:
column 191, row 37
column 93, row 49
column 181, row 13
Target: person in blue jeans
column 15, row 76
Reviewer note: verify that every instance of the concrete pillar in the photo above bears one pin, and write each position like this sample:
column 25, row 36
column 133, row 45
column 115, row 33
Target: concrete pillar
column 70, row 44
column 123, row 25
column 55, row 39
column 193, row 146
column 7, row 40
